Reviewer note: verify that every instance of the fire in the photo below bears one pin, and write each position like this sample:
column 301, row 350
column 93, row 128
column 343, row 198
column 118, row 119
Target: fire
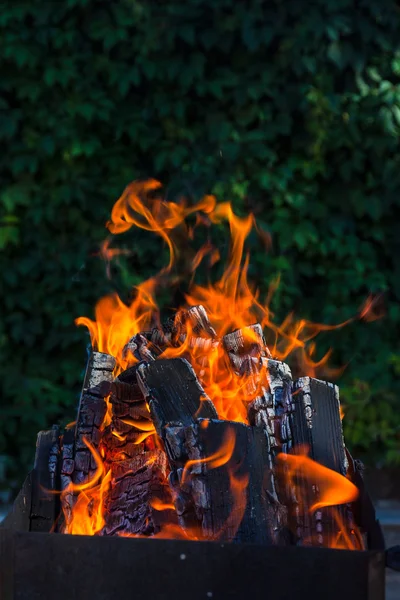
column 333, row 488
column 88, row 511
column 330, row 489
column 108, row 254
column 231, row 303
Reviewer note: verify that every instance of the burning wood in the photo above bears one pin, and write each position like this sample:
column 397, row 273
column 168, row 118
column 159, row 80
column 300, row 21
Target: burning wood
column 316, row 411
column 91, row 413
column 224, row 491
column 173, row 393
column 192, row 428
column 201, row 469
column 160, row 456
column 138, row 486
column 137, row 469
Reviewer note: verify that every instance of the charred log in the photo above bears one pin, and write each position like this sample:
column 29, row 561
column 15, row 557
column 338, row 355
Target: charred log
column 316, row 411
column 222, row 482
column 139, row 485
column 363, row 508
column 212, row 499
column 19, row 517
column 268, row 385
column 245, row 348
column 91, row 413
column 173, row 393
column 67, row 470
column 139, row 502
column 45, row 503
column 199, row 324
column 247, row 354
column 122, row 439
column 37, row 505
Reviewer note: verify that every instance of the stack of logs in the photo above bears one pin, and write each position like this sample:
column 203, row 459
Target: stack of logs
column 161, row 431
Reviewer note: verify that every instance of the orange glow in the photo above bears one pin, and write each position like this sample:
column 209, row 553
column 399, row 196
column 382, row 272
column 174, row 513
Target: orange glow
column 158, row 505
column 137, row 207
column 116, row 323
column 143, row 436
column 122, row 438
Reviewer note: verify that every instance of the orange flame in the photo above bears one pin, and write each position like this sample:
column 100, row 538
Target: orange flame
column 159, row 505
column 108, row 254
column 88, row 511
column 334, row 488
column 143, row 425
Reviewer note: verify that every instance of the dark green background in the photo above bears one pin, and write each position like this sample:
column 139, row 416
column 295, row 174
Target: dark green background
column 291, row 109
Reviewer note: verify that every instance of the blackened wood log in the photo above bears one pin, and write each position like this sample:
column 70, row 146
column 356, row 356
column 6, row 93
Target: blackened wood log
column 316, row 422
column 19, row 517
column 45, row 503
column 267, row 383
column 98, row 373
column 173, row 393
column 194, row 330
column 91, row 413
column 36, row 508
column 121, row 439
column 363, row 508
column 127, row 403
column 139, row 501
column 248, row 354
column 207, row 503
column 316, row 425
column 271, row 411
column 229, row 497
column 139, row 484
column 67, row 469
column 280, row 385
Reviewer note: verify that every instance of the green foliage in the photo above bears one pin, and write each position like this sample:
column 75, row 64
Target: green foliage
column 292, row 113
